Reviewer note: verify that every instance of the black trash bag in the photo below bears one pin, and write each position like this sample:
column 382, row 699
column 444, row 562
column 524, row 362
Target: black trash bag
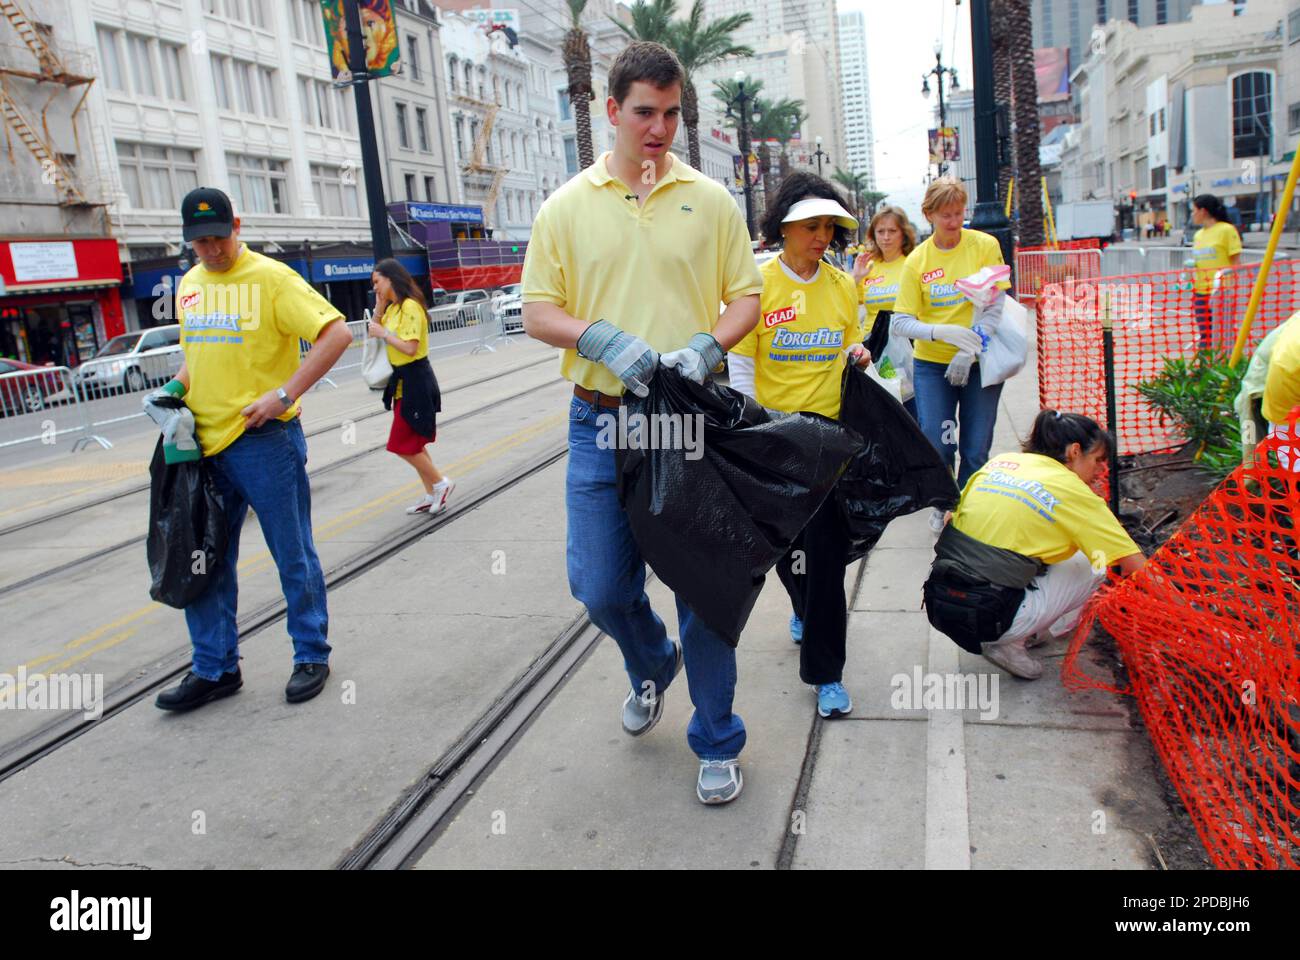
column 878, row 338
column 187, row 530
column 898, row 471
column 711, row 527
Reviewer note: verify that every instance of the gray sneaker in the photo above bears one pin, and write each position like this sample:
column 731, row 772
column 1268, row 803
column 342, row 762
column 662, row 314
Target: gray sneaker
column 719, row 781
column 1014, row 659
column 642, row 711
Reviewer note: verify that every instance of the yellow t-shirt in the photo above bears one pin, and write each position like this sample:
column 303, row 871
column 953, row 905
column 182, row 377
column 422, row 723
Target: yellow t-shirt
column 927, row 288
column 1213, row 246
column 1282, row 388
column 240, row 333
column 1039, row 507
column 880, row 289
column 408, row 322
column 798, row 345
column 657, row 271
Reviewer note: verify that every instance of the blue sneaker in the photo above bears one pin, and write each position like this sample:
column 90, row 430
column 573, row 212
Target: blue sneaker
column 796, row 628
column 833, row 700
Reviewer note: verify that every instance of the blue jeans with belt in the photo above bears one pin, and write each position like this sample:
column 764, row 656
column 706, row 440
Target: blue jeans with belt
column 607, row 574
column 937, row 401
column 266, row 469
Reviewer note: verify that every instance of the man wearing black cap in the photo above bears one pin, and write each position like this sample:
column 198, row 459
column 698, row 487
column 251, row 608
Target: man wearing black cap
column 242, row 315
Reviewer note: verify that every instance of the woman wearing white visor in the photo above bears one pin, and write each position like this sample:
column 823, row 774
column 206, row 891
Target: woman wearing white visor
column 794, row 361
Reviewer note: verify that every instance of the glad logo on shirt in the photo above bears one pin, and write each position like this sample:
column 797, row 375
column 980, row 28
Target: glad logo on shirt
column 784, row 315
column 873, row 281
column 1004, row 465
column 191, row 300
column 932, row 275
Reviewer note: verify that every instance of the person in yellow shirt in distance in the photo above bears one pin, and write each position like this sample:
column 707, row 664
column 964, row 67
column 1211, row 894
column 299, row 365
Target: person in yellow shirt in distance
column 879, row 268
column 404, row 326
column 793, row 361
column 1215, row 246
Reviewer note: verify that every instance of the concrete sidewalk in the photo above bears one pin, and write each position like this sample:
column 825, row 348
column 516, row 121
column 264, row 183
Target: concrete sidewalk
column 1037, row 778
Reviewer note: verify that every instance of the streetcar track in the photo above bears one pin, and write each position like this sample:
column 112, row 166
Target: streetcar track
column 315, row 431
column 333, row 465
column 27, row 750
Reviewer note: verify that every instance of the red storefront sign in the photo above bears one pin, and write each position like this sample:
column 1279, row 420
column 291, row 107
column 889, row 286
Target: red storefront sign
column 57, row 269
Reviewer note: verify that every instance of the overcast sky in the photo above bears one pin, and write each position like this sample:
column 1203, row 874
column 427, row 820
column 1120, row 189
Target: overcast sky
column 901, row 35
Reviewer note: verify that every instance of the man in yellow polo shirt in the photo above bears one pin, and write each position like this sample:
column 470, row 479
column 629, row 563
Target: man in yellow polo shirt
column 1282, row 392
column 242, row 316
column 628, row 261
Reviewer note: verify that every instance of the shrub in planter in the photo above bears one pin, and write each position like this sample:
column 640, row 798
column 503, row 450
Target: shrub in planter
column 1197, row 395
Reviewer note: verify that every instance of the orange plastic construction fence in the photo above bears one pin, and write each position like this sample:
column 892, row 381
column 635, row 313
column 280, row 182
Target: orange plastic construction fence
column 1155, row 316
column 1209, row 631
column 1037, row 267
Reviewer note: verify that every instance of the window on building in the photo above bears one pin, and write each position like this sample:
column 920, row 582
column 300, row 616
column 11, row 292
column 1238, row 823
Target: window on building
column 1252, row 114
column 1162, row 119
column 335, row 190
column 1101, row 11
column 410, row 187
column 403, row 133
column 221, row 81
column 422, row 127
column 1152, row 124
column 142, row 71
column 469, row 79
column 496, row 91
column 173, row 72
column 268, row 92
column 242, row 88
column 1293, row 118
column 1162, row 11
column 110, row 66
column 570, row 155
column 451, row 75
column 1133, row 12
column 156, row 178
column 1293, row 26
column 429, row 192
column 566, row 108
column 460, row 139
column 413, row 56
column 258, row 184
column 1158, row 177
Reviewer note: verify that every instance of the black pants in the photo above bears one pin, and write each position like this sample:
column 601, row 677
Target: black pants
column 817, row 593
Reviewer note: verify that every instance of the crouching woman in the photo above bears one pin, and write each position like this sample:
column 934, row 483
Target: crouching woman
column 1028, row 545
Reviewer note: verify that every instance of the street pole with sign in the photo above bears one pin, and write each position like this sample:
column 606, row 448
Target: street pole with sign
column 360, row 83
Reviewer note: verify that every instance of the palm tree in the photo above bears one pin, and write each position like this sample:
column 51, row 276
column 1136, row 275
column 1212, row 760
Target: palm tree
column 856, row 185
column 778, row 120
column 577, row 63
column 1024, row 85
column 1001, row 83
column 696, row 44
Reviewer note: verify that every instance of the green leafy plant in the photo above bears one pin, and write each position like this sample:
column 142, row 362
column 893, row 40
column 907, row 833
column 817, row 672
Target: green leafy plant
column 1197, row 395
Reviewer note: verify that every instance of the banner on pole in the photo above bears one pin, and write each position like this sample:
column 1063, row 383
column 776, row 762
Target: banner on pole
column 379, row 29
column 944, row 146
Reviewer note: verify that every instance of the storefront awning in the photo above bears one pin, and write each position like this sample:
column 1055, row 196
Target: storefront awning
column 56, row 286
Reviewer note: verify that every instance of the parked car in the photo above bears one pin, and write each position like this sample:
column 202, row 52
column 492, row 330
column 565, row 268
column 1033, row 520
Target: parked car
column 132, row 362
column 465, row 302
column 30, row 394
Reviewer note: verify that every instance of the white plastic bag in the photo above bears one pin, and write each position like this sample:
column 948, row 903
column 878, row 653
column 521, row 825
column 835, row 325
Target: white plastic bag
column 1005, row 350
column 375, row 368
column 892, row 384
column 898, row 353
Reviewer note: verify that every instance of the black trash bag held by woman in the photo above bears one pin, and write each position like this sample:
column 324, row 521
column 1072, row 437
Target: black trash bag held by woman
column 187, row 530
column 898, row 471
column 712, row 520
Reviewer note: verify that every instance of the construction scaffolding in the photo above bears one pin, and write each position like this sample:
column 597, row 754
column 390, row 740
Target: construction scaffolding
column 478, row 162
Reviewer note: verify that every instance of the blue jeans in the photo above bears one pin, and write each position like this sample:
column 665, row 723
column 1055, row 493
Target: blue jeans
column 607, row 574
column 937, row 401
column 266, row 469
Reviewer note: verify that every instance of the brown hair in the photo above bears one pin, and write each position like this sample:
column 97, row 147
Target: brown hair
column 904, row 224
column 944, row 192
column 404, row 286
column 647, row 61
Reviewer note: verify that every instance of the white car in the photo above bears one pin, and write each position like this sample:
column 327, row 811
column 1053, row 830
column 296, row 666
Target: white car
column 131, row 362
column 509, row 309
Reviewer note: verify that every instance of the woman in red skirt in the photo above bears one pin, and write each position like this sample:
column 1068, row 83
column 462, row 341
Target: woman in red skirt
column 413, row 389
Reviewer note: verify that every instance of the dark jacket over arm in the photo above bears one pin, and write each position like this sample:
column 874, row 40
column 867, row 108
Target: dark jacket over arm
column 421, row 399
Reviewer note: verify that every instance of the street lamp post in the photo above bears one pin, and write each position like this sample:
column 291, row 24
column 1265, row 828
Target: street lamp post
column 988, row 215
column 939, row 72
column 382, row 246
column 741, row 114
column 819, row 154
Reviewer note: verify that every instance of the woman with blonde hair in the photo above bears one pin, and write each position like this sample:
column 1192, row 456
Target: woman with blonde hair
column 937, row 315
column 889, row 239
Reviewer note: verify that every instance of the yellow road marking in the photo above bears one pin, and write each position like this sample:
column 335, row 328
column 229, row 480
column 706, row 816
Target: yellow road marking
column 466, row 464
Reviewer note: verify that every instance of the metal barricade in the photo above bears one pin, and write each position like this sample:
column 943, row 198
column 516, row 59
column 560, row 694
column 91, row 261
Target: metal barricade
column 1036, row 269
column 1128, row 259
column 351, row 357
column 39, row 406
column 111, row 389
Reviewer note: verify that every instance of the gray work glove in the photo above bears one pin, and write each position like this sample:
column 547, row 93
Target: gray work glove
column 963, row 338
column 694, row 361
column 166, row 408
column 958, row 372
column 629, row 358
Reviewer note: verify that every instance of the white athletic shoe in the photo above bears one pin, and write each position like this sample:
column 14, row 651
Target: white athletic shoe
column 427, row 503
column 442, row 491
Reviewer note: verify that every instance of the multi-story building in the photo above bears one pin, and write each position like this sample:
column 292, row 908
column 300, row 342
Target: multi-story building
column 1070, row 23
column 959, row 108
column 859, row 142
column 797, row 55
column 1172, row 111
